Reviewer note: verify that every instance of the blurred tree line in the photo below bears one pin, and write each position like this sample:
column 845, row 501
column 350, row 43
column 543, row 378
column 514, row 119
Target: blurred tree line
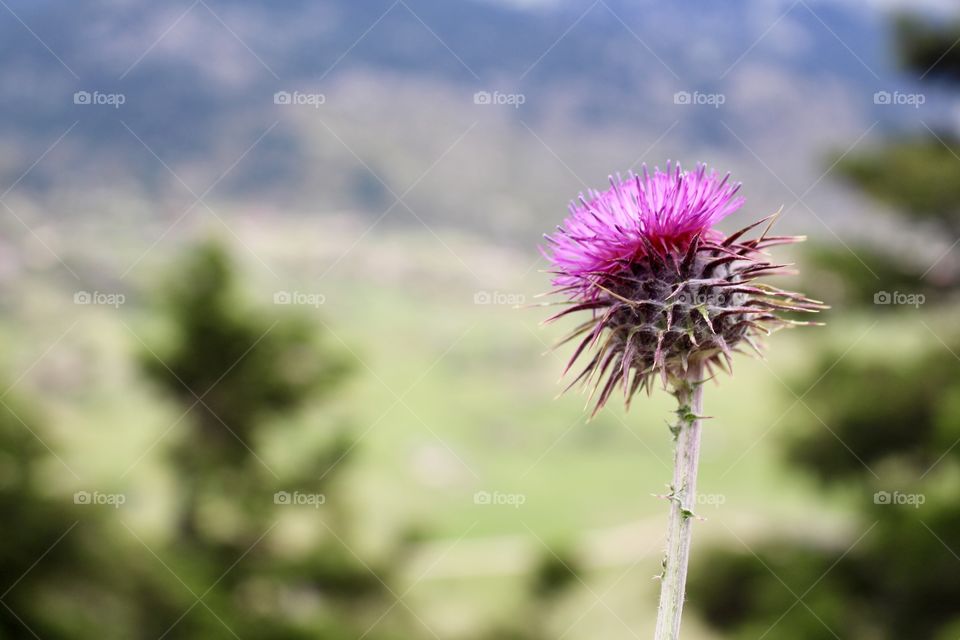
column 236, row 373
column 890, row 417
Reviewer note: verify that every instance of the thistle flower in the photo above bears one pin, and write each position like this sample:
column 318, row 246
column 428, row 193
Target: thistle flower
column 664, row 289
column 667, row 294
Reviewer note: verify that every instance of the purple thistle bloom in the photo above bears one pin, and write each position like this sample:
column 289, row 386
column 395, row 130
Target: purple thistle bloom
column 665, row 211
column 662, row 286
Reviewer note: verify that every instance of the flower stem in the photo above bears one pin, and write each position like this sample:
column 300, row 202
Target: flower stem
column 683, row 492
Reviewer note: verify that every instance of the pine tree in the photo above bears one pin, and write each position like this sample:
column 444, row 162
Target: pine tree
column 238, row 374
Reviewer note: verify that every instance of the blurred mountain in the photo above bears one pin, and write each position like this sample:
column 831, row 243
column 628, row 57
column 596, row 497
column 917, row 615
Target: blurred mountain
column 393, row 84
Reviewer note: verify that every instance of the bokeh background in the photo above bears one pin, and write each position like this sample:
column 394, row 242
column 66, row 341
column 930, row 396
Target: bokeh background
column 264, row 371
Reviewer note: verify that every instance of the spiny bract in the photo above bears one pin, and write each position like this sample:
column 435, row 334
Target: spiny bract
column 663, row 288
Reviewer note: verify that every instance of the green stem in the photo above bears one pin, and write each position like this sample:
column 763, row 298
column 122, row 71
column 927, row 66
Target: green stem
column 683, row 493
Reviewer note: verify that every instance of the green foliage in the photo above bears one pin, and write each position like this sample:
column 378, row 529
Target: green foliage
column 920, row 178
column 236, row 372
column 918, row 175
column 927, row 48
column 898, row 581
column 34, row 524
column 555, row 573
column 880, row 410
column 744, row 598
column 237, row 365
column 851, row 278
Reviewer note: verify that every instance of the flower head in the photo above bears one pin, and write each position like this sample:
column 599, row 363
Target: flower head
column 662, row 212
column 662, row 287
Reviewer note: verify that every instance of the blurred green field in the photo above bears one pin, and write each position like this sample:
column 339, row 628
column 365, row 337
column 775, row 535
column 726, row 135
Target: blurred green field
column 449, row 398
